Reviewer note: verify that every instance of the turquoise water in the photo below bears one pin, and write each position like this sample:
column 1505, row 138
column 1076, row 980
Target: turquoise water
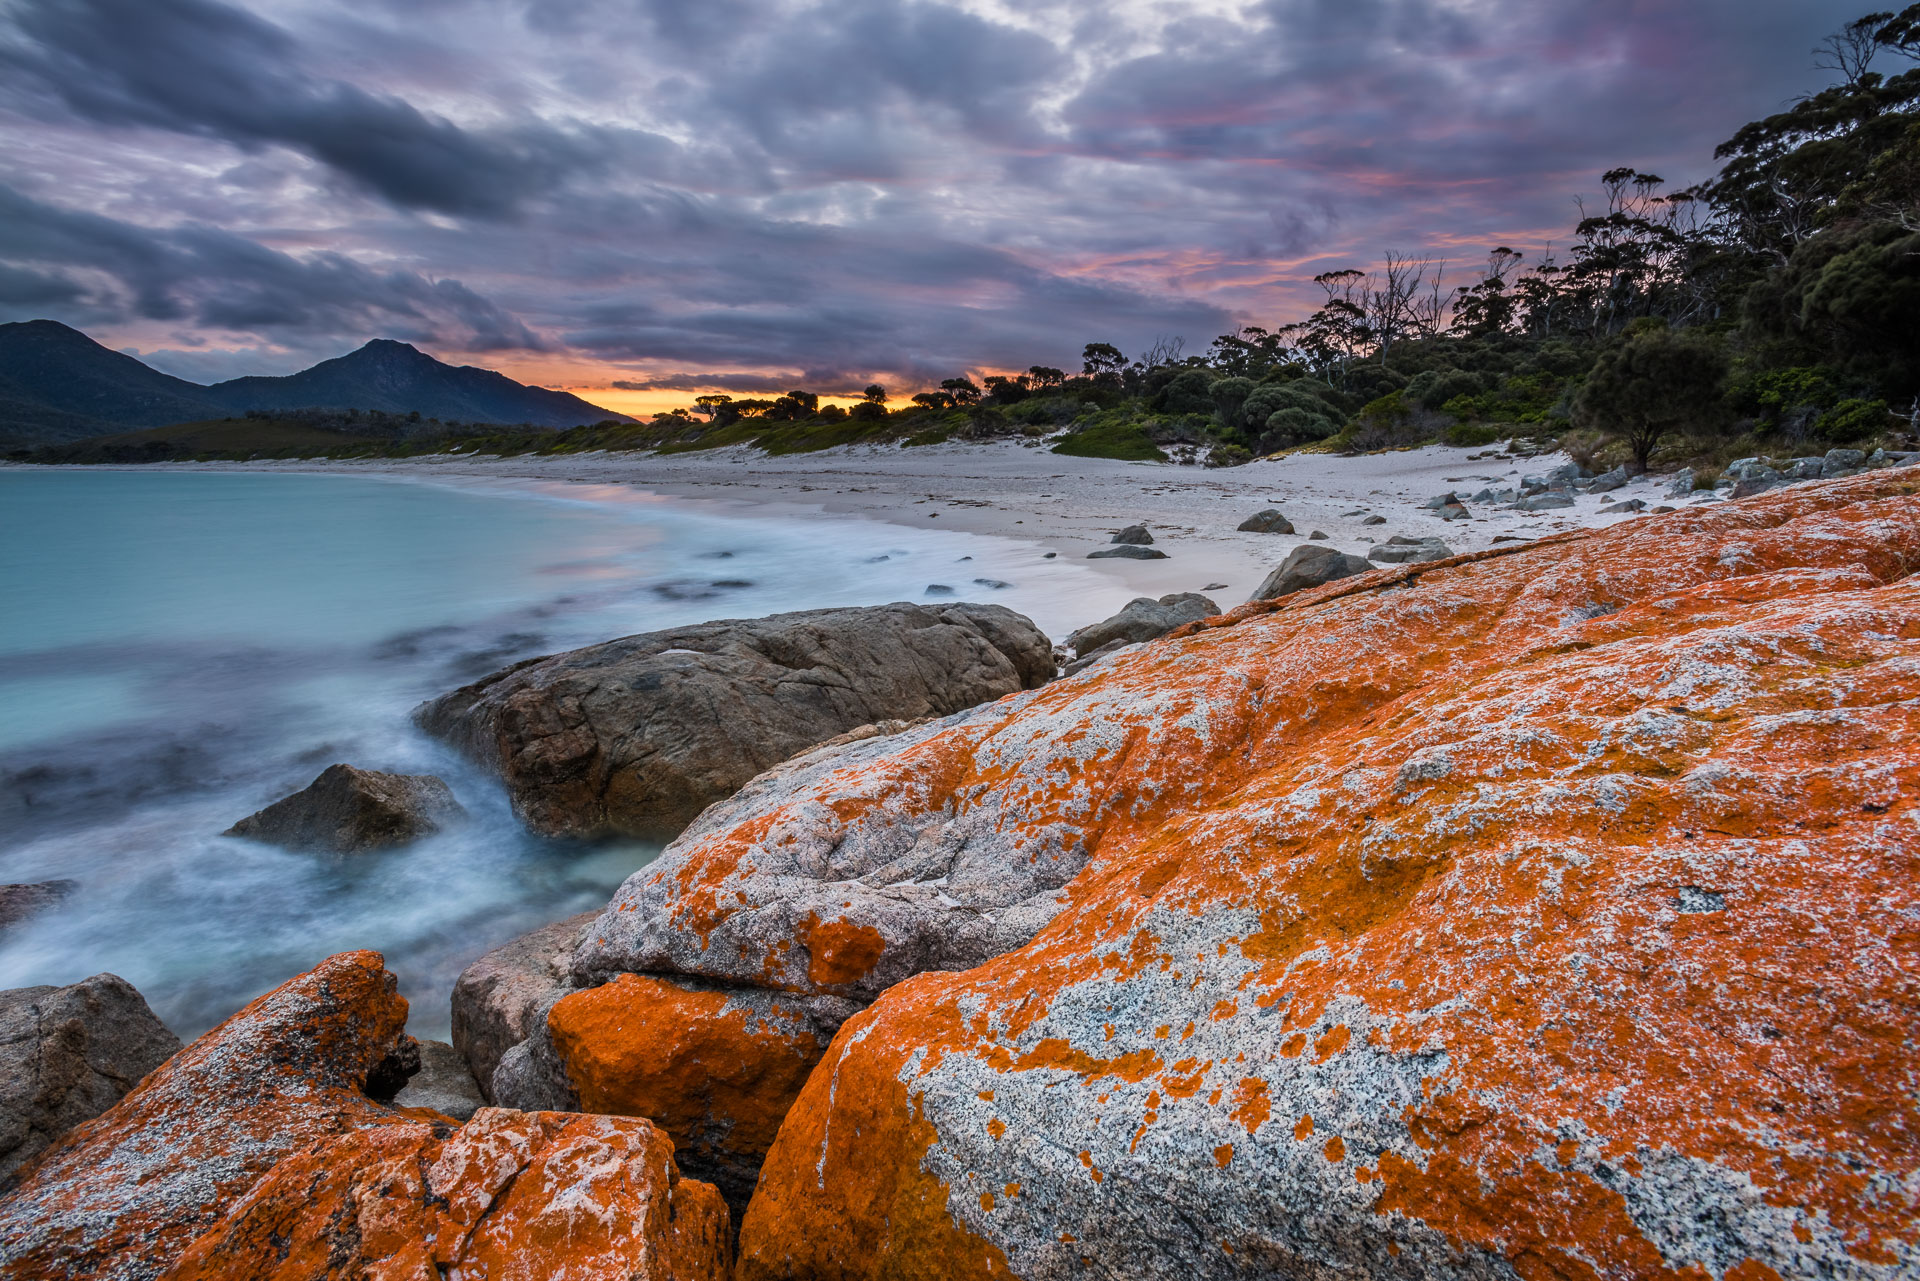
column 179, row 648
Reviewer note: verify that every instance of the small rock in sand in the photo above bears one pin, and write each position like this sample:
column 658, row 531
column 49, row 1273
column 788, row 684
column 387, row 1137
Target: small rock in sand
column 1374, row 520
column 1134, row 536
column 1269, row 521
column 1401, row 550
column 1319, row 536
column 1127, row 551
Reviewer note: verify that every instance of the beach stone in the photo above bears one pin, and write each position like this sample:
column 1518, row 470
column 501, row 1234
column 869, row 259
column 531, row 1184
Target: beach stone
column 1134, row 536
column 636, row 736
column 1319, row 536
column 1548, row 501
column 1269, row 521
column 1142, row 620
column 1442, row 501
column 1308, row 566
column 1606, row 482
column 1841, row 462
column 348, row 811
column 1374, row 520
column 19, row 902
column 512, row 1196
column 939, row 589
column 1805, row 468
column 123, row 1196
column 1630, row 505
column 1681, row 486
column 443, row 1083
column 1128, row 552
column 67, row 1054
column 1401, row 550
column 503, row 995
column 1475, row 926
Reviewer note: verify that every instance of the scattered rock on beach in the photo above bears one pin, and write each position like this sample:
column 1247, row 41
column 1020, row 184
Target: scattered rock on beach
column 1318, row 536
column 636, row 736
column 67, row 1054
column 19, row 902
column 348, row 810
column 1549, row 500
column 1143, row 619
column 1374, row 520
column 1134, row 536
column 1128, row 552
column 1308, row 566
column 1269, row 521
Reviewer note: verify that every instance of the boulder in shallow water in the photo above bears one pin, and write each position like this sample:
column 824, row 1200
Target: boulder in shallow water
column 1128, row 552
column 19, row 902
column 67, row 1054
column 1269, row 521
column 1308, row 566
column 348, row 810
column 1143, row 619
column 636, row 736
column 1544, row 915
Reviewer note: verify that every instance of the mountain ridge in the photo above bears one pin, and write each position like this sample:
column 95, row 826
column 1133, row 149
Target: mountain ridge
column 58, row 385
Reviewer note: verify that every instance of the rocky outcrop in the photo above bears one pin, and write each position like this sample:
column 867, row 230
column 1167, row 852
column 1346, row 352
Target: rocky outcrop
column 1540, row 912
column 503, row 995
column 67, row 1054
column 442, row 1083
column 638, row 735
column 124, row 1195
column 510, row 1196
column 1143, row 619
column 348, row 810
column 1308, row 566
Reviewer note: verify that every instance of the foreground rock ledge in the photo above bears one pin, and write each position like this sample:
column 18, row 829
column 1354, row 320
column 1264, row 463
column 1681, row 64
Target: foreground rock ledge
column 637, row 736
column 1538, row 914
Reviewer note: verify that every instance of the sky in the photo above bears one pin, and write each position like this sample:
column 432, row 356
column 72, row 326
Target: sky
column 637, row 200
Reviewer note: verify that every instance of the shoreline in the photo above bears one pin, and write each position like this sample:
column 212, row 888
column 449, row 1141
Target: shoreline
column 1068, row 506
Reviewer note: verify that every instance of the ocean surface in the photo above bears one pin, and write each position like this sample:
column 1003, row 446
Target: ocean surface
column 179, row 649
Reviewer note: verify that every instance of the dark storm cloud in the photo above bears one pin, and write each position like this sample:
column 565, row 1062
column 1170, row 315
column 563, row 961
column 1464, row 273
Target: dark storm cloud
column 222, row 281
column 201, row 67
column 749, row 193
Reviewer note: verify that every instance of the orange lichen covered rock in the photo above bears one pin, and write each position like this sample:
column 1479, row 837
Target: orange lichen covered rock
column 123, row 1195
column 511, row 1196
column 1549, row 914
column 717, row 1070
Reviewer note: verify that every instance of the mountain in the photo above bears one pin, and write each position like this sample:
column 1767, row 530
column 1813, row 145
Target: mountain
column 399, row 379
column 57, row 385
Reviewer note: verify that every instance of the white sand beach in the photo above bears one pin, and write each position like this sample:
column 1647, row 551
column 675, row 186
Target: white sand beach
column 1071, row 506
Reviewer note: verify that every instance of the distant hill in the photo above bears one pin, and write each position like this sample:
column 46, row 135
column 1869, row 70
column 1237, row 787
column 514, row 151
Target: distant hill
column 58, row 385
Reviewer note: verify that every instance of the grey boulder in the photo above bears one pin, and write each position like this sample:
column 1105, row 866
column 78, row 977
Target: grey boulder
column 500, row 997
column 1143, row 619
column 67, row 1054
column 442, row 1084
column 1374, row 520
column 1401, row 550
column 348, row 810
column 1308, row 566
column 1269, row 521
column 1128, row 552
column 1842, row 462
column 1681, row 486
column 1548, row 501
column 636, row 736
column 1609, row 481
column 1134, row 536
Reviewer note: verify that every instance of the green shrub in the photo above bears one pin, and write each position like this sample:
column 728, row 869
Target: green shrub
column 1473, row 435
column 1126, row 440
column 1853, row 420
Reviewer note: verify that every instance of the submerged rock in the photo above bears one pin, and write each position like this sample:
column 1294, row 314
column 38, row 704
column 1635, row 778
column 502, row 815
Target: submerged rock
column 1269, row 521
column 1128, row 552
column 1143, row 619
column 20, row 902
column 67, row 1054
column 1541, row 915
column 1308, row 566
column 348, row 810
column 637, row 736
